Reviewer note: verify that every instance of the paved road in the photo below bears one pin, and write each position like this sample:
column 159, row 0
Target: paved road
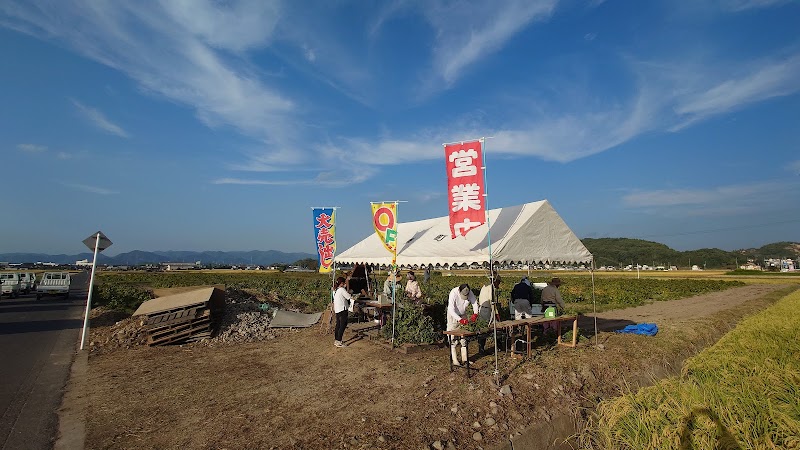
column 37, row 343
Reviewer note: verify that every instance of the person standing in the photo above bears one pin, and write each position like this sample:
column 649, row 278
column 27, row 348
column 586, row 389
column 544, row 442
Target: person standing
column 521, row 298
column 486, row 298
column 413, row 291
column 460, row 297
column 427, row 274
column 341, row 304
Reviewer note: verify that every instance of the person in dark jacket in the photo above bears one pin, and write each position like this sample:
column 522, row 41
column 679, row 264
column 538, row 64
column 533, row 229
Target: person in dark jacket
column 521, row 299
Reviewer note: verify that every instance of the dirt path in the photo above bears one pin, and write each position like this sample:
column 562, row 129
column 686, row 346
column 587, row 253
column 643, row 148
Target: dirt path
column 298, row 391
column 676, row 311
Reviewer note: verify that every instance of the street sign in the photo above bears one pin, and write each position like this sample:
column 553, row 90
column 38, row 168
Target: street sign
column 97, row 242
column 104, row 243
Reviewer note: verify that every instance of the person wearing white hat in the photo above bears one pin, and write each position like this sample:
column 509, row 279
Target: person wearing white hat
column 460, row 297
column 522, row 297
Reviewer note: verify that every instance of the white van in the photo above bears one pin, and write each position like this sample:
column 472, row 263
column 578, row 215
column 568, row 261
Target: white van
column 9, row 284
column 27, row 281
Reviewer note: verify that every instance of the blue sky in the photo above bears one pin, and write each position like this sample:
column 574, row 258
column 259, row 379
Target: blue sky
column 216, row 125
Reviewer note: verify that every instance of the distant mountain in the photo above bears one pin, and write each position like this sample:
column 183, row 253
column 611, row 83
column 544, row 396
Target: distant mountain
column 607, row 252
column 624, row 251
column 137, row 257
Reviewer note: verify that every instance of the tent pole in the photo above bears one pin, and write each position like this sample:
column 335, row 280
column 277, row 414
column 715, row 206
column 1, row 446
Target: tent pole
column 594, row 303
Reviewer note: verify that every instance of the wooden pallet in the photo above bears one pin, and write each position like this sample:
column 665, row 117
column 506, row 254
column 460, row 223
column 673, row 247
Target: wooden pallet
column 176, row 317
column 174, row 333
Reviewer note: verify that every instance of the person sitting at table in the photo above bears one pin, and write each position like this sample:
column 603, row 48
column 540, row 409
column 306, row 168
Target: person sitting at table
column 552, row 297
column 413, row 291
column 460, row 297
column 392, row 283
column 341, row 305
column 487, row 296
column 521, row 298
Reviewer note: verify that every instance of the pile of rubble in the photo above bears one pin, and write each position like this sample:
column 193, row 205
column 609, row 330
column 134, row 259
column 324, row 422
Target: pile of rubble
column 246, row 319
column 112, row 330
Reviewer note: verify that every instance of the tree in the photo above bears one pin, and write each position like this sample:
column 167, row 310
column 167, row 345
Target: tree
column 308, row 263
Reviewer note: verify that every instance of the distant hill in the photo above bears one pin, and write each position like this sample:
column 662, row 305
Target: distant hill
column 623, row 251
column 137, row 257
column 607, row 252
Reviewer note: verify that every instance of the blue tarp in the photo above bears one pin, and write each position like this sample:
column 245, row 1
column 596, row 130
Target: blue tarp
column 647, row 329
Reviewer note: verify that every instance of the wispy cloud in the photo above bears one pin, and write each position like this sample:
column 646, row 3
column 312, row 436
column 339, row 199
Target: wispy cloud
column 90, row 189
column 99, row 119
column 195, row 59
column 742, row 5
column 336, row 178
column 32, row 148
column 794, row 167
column 468, row 31
column 763, row 80
column 730, row 199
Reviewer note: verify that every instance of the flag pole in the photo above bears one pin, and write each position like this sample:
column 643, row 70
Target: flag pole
column 491, row 258
column 333, row 263
column 394, row 274
column 394, row 264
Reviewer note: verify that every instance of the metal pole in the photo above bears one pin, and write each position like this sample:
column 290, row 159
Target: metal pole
column 491, row 259
column 594, row 303
column 394, row 273
column 89, row 297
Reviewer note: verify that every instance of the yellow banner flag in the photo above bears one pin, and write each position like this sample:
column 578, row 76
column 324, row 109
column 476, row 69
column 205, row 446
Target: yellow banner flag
column 384, row 218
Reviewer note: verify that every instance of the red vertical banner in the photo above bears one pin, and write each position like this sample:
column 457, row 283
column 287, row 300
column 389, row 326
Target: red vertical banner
column 465, row 199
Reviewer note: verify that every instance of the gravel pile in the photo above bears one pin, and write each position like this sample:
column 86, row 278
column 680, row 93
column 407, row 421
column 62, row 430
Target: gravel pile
column 244, row 321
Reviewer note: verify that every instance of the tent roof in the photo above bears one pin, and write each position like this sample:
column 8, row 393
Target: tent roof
column 529, row 233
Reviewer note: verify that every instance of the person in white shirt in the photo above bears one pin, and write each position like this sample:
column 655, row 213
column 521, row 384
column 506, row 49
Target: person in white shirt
column 457, row 302
column 341, row 304
column 412, row 287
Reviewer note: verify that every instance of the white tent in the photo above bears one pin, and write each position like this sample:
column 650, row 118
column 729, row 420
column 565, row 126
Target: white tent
column 529, row 233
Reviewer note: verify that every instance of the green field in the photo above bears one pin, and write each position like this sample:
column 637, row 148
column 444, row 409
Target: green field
column 310, row 291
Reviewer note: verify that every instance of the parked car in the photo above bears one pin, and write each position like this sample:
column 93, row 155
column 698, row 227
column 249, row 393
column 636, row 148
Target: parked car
column 53, row 283
column 9, row 284
column 27, row 282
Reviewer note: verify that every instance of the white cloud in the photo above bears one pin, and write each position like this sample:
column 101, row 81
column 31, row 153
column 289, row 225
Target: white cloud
column 90, row 189
column 236, row 26
column 721, row 200
column 763, row 80
column 741, row 5
column 468, row 31
column 99, row 120
column 794, row 166
column 183, row 50
column 32, row 148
